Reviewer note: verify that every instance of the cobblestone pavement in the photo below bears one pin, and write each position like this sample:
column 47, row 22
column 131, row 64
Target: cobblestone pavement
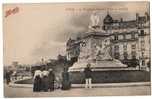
column 27, row 92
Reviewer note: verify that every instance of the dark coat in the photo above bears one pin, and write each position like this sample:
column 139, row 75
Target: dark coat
column 87, row 72
column 65, row 81
column 45, row 83
column 37, row 84
column 51, row 77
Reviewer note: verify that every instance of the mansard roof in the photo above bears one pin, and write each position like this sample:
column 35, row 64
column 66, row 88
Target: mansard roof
column 140, row 19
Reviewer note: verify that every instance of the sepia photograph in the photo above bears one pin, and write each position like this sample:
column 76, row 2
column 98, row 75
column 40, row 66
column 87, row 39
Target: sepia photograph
column 76, row 49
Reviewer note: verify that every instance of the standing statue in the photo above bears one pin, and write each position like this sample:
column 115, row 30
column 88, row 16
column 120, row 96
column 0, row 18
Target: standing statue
column 94, row 21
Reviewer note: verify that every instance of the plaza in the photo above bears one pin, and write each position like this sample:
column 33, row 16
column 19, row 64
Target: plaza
column 112, row 89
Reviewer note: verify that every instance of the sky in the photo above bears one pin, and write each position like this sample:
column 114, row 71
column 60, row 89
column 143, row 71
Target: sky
column 39, row 31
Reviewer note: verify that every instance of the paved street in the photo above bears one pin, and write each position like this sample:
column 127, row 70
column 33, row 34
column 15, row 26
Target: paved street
column 102, row 91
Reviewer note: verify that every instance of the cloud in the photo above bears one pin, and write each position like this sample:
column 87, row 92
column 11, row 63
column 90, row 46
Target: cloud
column 56, row 37
column 41, row 30
column 53, row 41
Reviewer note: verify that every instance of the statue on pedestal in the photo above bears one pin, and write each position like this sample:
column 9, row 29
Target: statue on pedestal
column 95, row 49
column 94, row 25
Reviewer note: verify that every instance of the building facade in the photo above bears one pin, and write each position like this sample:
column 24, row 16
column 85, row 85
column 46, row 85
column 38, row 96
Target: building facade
column 130, row 40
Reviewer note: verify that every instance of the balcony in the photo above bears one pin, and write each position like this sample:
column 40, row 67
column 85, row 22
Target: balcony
column 124, row 40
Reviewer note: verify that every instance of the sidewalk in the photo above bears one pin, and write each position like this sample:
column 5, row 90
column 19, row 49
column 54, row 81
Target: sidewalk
column 77, row 90
column 103, row 85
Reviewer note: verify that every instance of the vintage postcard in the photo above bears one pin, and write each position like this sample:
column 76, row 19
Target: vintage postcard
column 76, row 49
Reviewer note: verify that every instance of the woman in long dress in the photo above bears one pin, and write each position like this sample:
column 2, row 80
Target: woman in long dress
column 37, row 84
column 51, row 80
column 65, row 80
column 45, row 81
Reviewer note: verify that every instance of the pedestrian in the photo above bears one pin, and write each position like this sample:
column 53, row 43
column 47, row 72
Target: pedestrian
column 37, row 84
column 8, row 78
column 51, row 77
column 45, row 81
column 65, row 80
column 88, row 78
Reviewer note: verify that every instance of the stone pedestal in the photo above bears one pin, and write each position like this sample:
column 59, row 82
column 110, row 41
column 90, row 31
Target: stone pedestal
column 98, row 65
column 95, row 51
column 111, row 76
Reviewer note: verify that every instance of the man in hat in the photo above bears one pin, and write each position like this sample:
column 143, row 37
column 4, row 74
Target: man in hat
column 87, row 73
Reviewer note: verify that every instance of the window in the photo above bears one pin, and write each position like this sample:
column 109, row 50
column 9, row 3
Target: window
column 142, row 45
column 142, row 32
column 125, row 47
column 116, row 52
column 133, row 54
column 133, row 36
column 116, row 37
column 125, row 55
column 124, row 36
column 143, row 62
column 120, row 37
column 128, row 36
column 142, row 54
column 116, row 48
column 133, row 46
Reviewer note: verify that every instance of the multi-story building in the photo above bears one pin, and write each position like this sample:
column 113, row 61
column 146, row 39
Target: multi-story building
column 130, row 40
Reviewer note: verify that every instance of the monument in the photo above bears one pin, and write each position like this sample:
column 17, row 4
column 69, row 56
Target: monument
column 95, row 48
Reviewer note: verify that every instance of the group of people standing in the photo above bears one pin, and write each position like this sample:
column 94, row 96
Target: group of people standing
column 45, row 80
